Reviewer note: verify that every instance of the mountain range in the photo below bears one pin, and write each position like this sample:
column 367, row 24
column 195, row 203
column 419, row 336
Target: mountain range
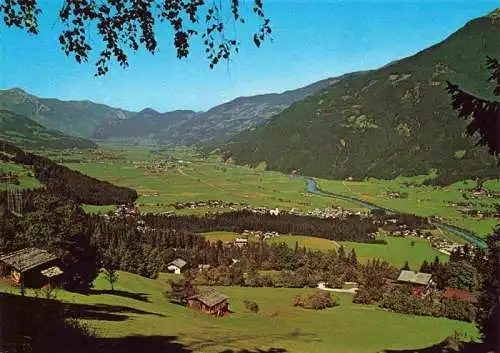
column 78, row 118
column 396, row 120
column 182, row 127
column 143, row 126
column 29, row 134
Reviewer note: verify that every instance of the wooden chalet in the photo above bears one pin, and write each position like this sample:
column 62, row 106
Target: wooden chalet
column 32, row 267
column 213, row 303
column 421, row 282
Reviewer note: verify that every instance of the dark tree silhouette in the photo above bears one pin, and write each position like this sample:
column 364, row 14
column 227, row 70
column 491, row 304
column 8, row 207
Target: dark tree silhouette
column 489, row 301
column 485, row 113
column 127, row 25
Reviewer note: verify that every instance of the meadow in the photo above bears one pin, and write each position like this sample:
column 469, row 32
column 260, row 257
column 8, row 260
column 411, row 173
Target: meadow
column 26, row 179
column 422, row 200
column 199, row 179
column 396, row 251
column 139, row 307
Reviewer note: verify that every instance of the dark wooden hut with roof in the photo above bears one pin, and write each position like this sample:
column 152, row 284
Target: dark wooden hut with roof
column 31, row 266
column 212, row 302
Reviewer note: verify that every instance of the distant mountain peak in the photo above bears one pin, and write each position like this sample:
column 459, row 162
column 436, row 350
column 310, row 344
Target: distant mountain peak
column 17, row 90
column 149, row 111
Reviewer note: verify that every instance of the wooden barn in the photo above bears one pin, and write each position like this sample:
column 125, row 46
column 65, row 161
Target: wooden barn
column 421, row 282
column 32, row 267
column 213, row 303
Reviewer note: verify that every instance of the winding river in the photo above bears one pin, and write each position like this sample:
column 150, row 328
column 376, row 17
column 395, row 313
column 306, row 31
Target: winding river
column 469, row 236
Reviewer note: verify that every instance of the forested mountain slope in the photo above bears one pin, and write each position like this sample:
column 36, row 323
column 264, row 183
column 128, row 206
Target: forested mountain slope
column 79, row 118
column 28, row 133
column 225, row 120
column 142, row 126
column 397, row 120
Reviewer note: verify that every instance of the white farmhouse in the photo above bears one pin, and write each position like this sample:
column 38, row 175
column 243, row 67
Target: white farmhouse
column 176, row 266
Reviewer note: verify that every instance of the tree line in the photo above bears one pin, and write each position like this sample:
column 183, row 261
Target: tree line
column 68, row 183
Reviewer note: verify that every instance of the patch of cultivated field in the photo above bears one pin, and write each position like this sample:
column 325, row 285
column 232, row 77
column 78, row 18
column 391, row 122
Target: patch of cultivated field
column 222, row 236
column 422, row 200
column 202, row 179
column 140, row 308
column 98, row 208
column 397, row 251
column 308, row 242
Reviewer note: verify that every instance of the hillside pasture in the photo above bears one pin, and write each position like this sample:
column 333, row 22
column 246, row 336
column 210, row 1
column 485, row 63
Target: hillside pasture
column 26, row 179
column 139, row 308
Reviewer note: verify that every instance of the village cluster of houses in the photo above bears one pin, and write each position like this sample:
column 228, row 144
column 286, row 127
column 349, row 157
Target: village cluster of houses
column 160, row 165
column 206, row 204
column 328, row 212
column 319, row 213
column 125, row 210
column 256, row 234
column 481, row 192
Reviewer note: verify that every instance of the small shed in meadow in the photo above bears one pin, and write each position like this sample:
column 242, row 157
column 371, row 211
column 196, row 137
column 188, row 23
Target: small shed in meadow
column 176, row 266
column 212, row 302
column 32, row 267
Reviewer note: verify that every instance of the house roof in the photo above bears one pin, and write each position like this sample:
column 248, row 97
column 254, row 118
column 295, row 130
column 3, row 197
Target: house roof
column 412, row 277
column 180, row 263
column 52, row 272
column 26, row 259
column 210, row 298
column 458, row 294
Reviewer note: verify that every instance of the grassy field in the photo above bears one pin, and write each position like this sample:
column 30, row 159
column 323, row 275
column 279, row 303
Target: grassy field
column 422, row 200
column 139, row 308
column 312, row 243
column 199, row 179
column 222, row 236
column 25, row 179
column 397, row 251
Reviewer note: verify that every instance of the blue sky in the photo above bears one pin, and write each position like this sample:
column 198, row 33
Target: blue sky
column 312, row 40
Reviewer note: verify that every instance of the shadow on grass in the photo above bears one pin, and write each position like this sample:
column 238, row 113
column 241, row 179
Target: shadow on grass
column 257, row 350
column 143, row 297
column 140, row 344
column 103, row 312
column 444, row 347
